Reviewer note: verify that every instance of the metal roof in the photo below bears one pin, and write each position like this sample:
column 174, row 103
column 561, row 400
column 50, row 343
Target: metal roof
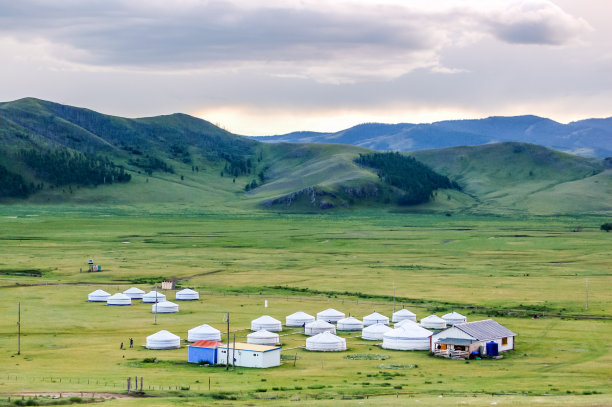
column 485, row 330
column 206, row 344
column 455, row 341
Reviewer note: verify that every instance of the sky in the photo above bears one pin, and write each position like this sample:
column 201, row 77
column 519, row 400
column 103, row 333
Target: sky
column 260, row 67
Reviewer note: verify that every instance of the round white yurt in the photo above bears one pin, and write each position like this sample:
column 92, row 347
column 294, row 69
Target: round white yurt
column 409, row 337
column 119, row 299
column 375, row 318
column 404, row 323
column 203, row 332
column 326, row 342
column 330, row 315
column 164, row 307
column 374, row 332
column 350, row 324
column 153, row 296
column 403, row 314
column 317, row 327
column 298, row 319
column 263, row 337
column 134, row 293
column 163, row 340
column 266, row 322
column 433, row 322
column 453, row 318
column 187, row 295
column 98, row 296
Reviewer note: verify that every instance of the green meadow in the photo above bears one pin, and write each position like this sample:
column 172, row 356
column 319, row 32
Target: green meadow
column 509, row 269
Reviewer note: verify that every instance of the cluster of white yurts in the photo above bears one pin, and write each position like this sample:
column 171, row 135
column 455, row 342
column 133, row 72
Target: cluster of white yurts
column 160, row 303
column 406, row 334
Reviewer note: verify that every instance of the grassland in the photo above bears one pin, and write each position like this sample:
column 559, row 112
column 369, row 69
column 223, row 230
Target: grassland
column 507, row 268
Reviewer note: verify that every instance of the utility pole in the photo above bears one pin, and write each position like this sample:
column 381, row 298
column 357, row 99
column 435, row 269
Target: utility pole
column 227, row 347
column 234, row 353
column 19, row 328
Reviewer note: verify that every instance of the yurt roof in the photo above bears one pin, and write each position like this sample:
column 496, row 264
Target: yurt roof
column 204, row 329
column 326, row 337
column 404, row 322
column 265, row 319
column 154, row 293
column 99, row 293
column 376, row 316
column 262, row 334
column 300, row 315
column 408, row 331
column 453, row 315
column 187, row 291
column 432, row 318
column 166, row 304
column 163, row 335
column 404, row 313
column 350, row 320
column 376, row 328
column 134, row 290
column 330, row 312
column 319, row 324
column 119, row 296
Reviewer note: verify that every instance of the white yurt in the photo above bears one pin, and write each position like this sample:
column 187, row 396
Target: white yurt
column 326, row 342
column 187, row 295
column 433, row 322
column 266, row 322
column 119, row 299
column 374, row 332
column 164, row 307
column 375, row 318
column 263, row 337
column 330, row 315
column 134, row 293
column 163, row 340
column 203, row 332
column 153, row 296
column 453, row 318
column 317, row 327
column 409, row 337
column 98, row 296
column 298, row 319
column 403, row 314
column 404, row 323
column 350, row 324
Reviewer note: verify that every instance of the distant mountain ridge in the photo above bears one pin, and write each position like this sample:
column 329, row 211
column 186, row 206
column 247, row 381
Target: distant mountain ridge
column 588, row 138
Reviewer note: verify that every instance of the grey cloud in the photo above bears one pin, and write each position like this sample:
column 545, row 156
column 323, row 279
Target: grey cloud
column 330, row 44
column 536, row 22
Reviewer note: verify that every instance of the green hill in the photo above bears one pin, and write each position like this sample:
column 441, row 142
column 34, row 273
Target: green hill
column 521, row 177
column 55, row 153
column 52, row 153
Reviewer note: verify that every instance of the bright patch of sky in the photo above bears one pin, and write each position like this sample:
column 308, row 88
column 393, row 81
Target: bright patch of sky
column 267, row 67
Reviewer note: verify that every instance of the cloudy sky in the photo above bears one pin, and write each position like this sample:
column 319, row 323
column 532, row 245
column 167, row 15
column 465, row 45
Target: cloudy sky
column 261, row 67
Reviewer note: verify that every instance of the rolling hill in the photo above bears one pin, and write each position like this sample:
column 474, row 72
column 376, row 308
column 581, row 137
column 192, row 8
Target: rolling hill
column 65, row 154
column 589, row 138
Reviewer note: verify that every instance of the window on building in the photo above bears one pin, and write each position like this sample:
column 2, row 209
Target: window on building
column 504, row 341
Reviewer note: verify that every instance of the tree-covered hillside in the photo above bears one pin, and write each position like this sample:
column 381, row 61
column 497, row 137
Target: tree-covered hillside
column 414, row 179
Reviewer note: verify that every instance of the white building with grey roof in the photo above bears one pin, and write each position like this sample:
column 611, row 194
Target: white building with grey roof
column 461, row 340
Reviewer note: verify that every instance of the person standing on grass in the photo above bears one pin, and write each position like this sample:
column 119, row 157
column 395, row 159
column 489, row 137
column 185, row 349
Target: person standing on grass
column 121, row 346
column 131, row 342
